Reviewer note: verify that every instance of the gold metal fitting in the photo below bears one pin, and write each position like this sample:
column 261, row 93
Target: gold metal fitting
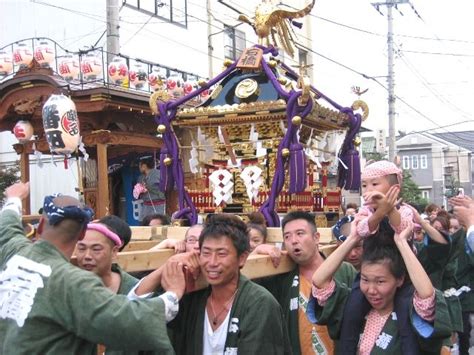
column 161, row 128
column 202, row 82
column 357, row 141
column 282, row 80
column 228, row 62
column 296, row 120
column 272, row 63
column 285, row 152
column 167, row 161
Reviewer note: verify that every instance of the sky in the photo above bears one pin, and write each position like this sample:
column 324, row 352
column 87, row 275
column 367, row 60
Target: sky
column 433, row 65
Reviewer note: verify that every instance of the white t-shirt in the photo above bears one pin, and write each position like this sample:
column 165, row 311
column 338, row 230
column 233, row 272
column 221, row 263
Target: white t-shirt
column 214, row 341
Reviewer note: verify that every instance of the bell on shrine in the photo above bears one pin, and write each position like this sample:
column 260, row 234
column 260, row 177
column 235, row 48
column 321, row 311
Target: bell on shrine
column 61, row 125
column 23, row 131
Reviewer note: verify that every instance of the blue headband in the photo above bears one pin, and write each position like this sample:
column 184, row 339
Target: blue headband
column 57, row 214
column 336, row 229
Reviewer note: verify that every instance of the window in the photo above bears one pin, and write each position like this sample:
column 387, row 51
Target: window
column 414, row 162
column 406, row 162
column 174, row 11
column 234, row 43
column 302, row 57
column 423, row 162
column 425, row 194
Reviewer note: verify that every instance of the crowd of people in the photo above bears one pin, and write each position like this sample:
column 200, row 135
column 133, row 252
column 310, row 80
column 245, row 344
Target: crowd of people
column 399, row 281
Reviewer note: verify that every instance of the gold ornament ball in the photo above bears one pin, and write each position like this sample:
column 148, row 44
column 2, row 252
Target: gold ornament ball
column 167, row 161
column 202, row 82
column 357, row 141
column 161, row 128
column 228, row 62
column 296, row 120
column 282, row 80
column 272, row 63
column 285, row 152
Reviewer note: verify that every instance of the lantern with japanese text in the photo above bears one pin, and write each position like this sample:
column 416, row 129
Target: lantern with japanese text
column 174, row 85
column 190, row 84
column 44, row 54
column 138, row 76
column 61, row 125
column 6, row 63
column 118, row 71
column 69, row 67
column 22, row 55
column 155, row 79
column 23, row 131
column 91, row 67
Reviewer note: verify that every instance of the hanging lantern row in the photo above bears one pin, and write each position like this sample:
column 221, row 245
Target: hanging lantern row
column 23, row 55
column 91, row 69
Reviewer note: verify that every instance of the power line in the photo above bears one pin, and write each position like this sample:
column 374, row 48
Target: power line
column 439, row 53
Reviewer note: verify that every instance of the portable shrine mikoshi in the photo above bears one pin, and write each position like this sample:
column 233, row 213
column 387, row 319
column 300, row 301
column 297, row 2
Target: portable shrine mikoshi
column 258, row 142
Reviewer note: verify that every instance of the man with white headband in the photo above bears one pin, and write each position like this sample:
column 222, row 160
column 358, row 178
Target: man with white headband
column 49, row 306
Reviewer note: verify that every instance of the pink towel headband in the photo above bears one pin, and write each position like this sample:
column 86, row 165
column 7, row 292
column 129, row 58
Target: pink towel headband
column 380, row 169
column 105, row 231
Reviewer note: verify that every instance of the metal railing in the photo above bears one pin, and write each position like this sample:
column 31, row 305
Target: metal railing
column 89, row 67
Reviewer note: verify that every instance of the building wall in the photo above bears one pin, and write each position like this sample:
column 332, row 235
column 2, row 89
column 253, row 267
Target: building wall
column 50, row 178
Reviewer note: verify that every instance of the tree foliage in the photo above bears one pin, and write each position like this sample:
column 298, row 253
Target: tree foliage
column 410, row 192
column 8, row 176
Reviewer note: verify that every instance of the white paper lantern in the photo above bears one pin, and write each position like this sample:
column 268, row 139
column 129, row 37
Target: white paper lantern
column 44, row 54
column 69, row 67
column 190, row 85
column 6, row 63
column 22, row 55
column 118, row 71
column 61, row 124
column 138, row 76
column 23, row 131
column 174, row 85
column 91, row 67
column 156, row 79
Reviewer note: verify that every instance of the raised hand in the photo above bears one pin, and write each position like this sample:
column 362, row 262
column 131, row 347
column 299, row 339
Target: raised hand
column 173, row 278
column 19, row 189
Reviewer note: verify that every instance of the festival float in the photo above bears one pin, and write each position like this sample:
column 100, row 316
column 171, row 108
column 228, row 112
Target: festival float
column 265, row 138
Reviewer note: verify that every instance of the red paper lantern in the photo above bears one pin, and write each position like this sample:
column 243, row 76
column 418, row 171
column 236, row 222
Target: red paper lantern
column 69, row 67
column 23, row 131
column 44, row 54
column 22, row 55
column 6, row 63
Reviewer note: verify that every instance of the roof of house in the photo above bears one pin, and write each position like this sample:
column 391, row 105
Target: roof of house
column 464, row 139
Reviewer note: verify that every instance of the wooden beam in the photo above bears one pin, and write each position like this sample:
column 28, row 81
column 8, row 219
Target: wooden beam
column 103, row 182
column 140, row 245
column 174, row 232
column 25, row 177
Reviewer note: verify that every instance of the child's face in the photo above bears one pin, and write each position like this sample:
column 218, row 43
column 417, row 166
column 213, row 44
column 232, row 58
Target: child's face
column 379, row 184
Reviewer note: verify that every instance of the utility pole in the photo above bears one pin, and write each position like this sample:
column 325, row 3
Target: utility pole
column 113, row 36
column 390, row 4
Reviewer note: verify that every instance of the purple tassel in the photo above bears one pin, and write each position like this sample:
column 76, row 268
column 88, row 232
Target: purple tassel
column 350, row 178
column 166, row 174
column 297, row 169
column 297, row 24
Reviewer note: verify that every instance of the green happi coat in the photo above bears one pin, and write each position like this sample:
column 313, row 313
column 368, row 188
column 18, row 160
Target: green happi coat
column 430, row 335
column 49, row 306
column 285, row 288
column 440, row 261
column 127, row 281
column 465, row 271
column 255, row 324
